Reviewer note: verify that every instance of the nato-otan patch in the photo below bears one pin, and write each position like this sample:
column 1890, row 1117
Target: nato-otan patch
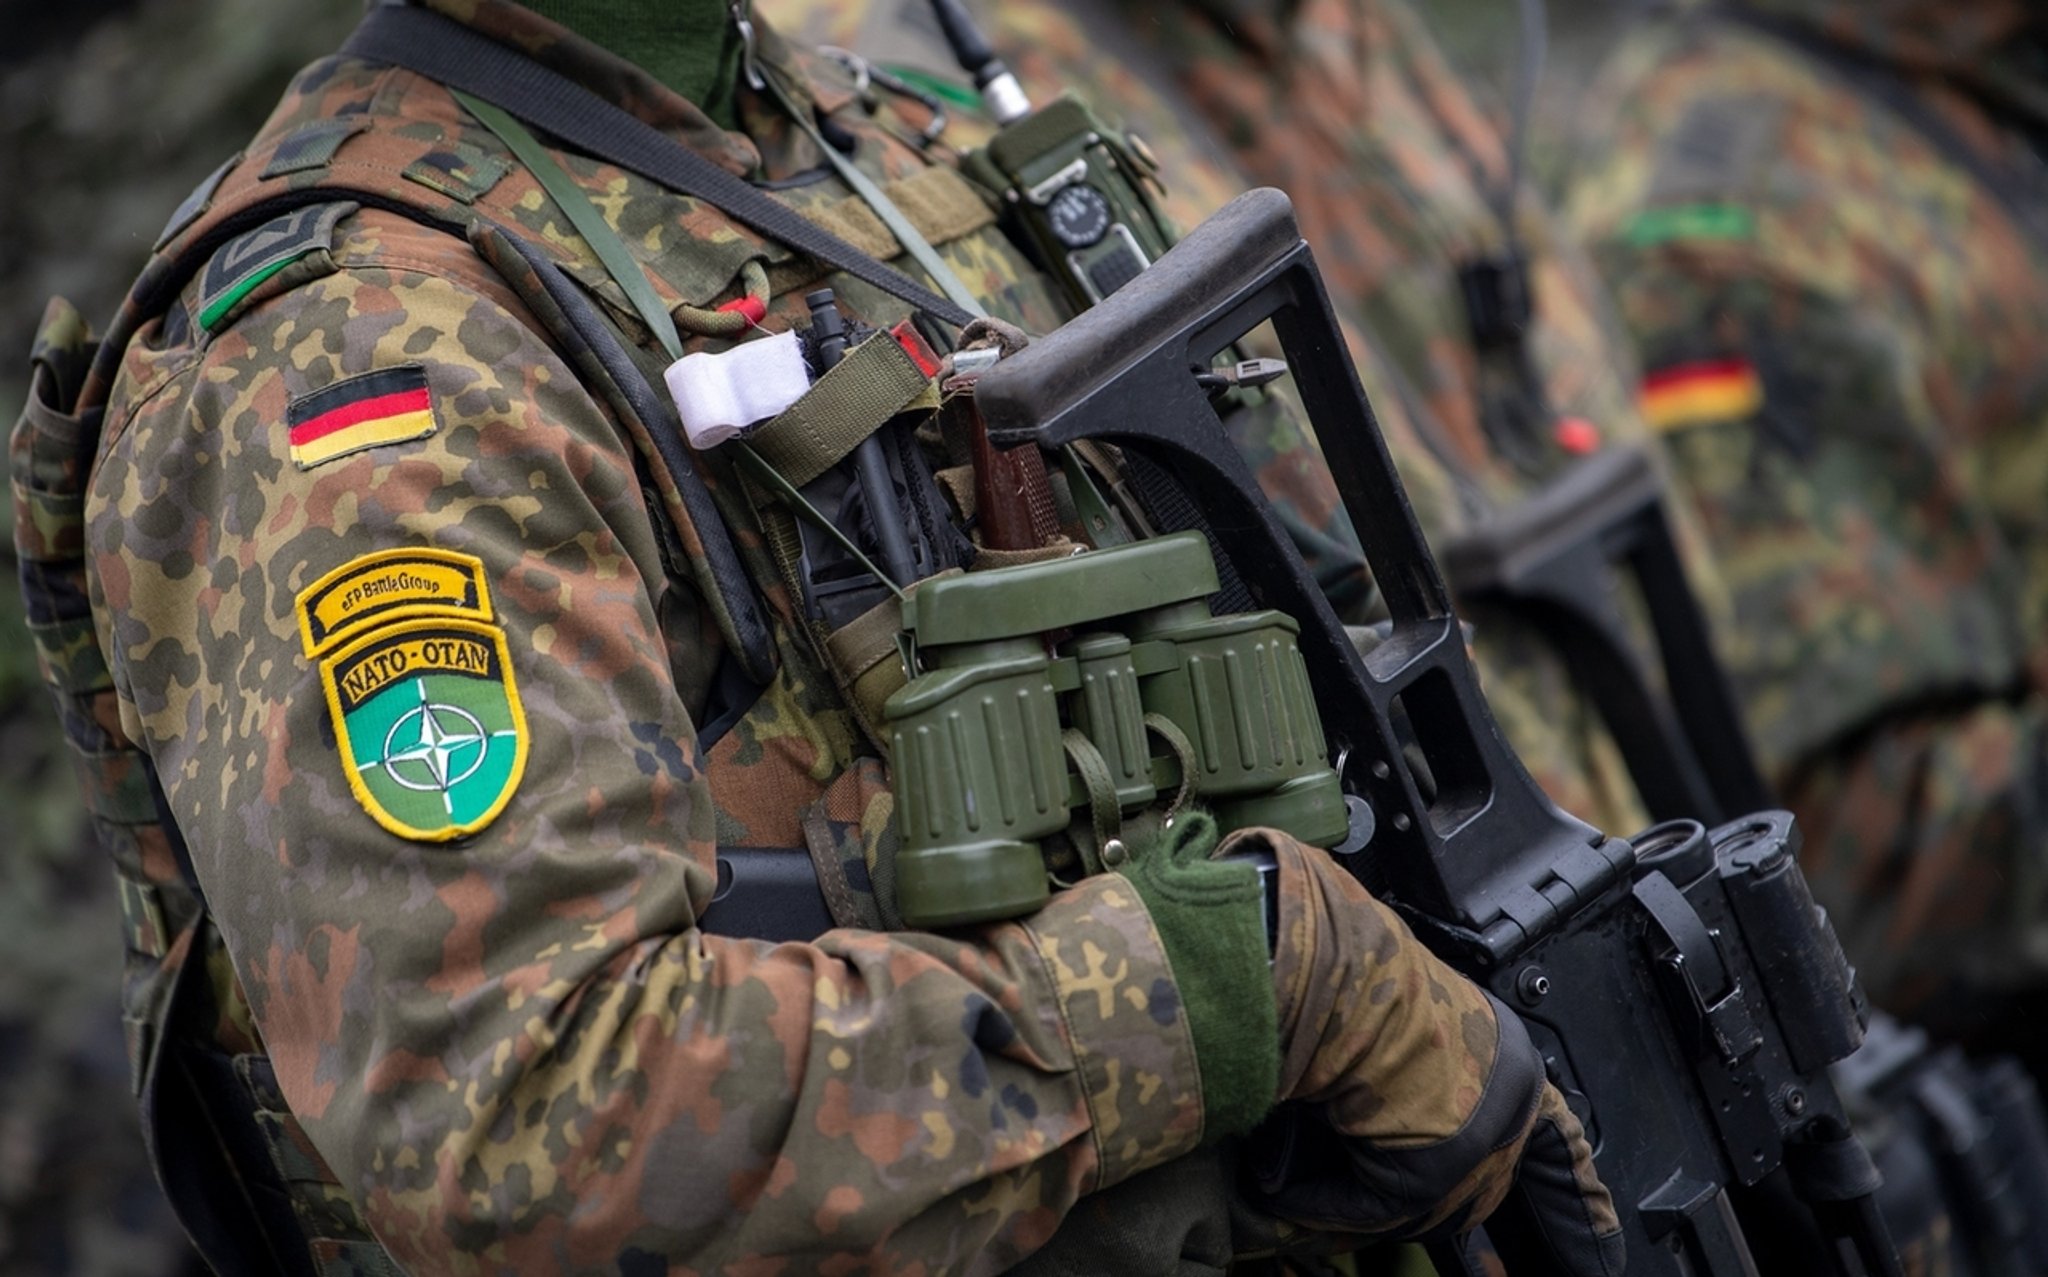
column 391, row 585
column 390, row 405
column 431, row 733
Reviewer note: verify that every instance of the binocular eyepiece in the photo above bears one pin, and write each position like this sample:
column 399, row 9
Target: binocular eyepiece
column 1002, row 740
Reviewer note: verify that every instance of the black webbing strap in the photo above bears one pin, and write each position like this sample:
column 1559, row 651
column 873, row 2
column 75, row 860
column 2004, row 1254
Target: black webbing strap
column 451, row 54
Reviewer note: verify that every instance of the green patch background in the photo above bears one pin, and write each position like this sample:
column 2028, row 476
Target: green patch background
column 472, row 797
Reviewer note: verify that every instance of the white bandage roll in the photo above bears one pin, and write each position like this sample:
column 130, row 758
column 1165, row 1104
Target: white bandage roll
column 719, row 396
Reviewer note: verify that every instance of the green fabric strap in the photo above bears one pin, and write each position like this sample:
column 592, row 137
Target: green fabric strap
column 583, row 215
column 876, row 380
column 913, row 242
column 1211, row 920
column 626, row 273
column 1092, row 769
column 1183, row 752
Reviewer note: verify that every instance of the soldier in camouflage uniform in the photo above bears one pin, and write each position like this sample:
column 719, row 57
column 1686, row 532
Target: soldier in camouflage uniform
column 361, row 518
column 1829, row 227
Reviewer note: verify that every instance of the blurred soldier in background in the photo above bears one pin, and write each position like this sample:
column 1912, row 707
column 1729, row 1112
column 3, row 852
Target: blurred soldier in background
column 1828, row 227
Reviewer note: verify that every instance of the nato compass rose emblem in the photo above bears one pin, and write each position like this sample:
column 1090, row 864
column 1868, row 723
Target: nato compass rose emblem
column 429, row 725
column 434, row 748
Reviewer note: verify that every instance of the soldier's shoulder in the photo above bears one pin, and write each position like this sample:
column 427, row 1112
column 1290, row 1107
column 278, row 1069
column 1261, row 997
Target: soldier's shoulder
column 323, row 332
column 285, row 265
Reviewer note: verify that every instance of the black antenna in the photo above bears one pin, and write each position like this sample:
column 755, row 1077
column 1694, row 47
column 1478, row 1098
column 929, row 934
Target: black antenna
column 1000, row 92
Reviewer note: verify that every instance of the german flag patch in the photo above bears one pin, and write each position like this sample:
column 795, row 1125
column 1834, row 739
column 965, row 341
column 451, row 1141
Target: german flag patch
column 391, row 405
column 1696, row 393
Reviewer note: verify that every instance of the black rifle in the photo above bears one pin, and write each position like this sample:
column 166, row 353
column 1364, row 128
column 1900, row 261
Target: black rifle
column 1686, row 992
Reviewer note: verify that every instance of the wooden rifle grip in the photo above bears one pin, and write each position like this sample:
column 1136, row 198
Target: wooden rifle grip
column 1012, row 495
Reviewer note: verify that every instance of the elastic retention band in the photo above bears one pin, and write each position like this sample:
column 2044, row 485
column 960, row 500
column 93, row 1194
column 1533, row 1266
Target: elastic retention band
column 876, row 380
column 1103, row 811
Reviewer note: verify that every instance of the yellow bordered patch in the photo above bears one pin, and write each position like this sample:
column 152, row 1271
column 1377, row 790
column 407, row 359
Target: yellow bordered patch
column 427, row 715
column 391, row 585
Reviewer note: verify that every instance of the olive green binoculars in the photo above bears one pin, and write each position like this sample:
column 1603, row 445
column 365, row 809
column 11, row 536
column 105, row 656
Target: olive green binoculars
column 1001, row 739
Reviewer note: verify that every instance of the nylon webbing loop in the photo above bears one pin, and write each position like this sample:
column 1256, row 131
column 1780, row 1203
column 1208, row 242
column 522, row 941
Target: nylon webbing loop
column 583, row 215
column 1183, row 750
column 1091, row 770
column 876, row 380
column 445, row 51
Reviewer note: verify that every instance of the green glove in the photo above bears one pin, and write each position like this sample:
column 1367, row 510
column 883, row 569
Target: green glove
column 1210, row 918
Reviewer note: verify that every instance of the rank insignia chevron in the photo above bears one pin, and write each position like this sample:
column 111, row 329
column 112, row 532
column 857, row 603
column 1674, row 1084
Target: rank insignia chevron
column 255, row 257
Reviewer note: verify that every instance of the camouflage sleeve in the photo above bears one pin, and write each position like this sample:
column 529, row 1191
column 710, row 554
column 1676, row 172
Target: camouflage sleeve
column 1885, row 624
column 479, row 978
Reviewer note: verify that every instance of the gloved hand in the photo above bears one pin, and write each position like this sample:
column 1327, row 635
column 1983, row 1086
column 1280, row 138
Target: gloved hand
column 1408, row 1096
column 1413, row 1096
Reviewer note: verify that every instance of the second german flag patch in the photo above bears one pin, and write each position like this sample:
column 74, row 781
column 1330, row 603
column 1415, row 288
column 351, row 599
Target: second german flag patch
column 391, row 405
column 1697, row 393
